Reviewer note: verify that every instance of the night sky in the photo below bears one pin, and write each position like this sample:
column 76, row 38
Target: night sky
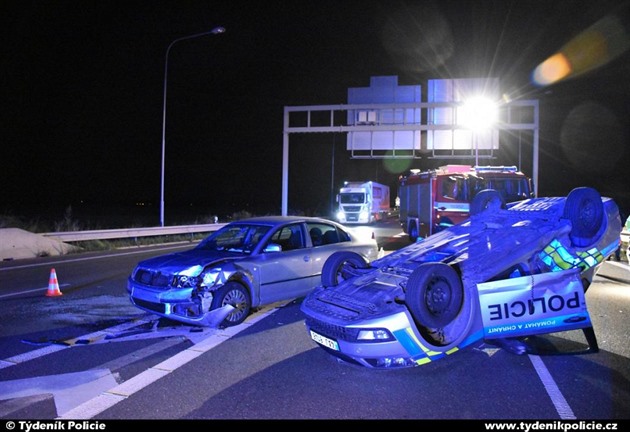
column 82, row 96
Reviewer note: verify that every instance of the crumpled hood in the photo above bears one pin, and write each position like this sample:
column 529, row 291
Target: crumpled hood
column 178, row 261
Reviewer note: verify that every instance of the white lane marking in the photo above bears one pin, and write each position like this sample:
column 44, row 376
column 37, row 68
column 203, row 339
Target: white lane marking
column 72, row 389
column 21, row 358
column 107, row 399
column 48, row 263
column 68, row 390
column 562, row 407
column 31, row 291
column 142, row 353
column 30, row 355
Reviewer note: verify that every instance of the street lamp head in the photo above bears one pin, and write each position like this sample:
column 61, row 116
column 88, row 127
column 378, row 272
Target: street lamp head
column 218, row 30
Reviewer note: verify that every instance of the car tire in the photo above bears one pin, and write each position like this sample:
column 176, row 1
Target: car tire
column 413, row 231
column 435, row 294
column 235, row 294
column 585, row 209
column 487, row 199
column 340, row 266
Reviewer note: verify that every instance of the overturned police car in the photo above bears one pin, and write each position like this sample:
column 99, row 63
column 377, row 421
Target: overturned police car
column 507, row 272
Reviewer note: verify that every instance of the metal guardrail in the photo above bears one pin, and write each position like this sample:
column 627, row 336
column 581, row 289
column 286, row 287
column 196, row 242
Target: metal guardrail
column 73, row 236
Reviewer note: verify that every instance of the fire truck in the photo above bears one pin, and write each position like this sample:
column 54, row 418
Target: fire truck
column 436, row 199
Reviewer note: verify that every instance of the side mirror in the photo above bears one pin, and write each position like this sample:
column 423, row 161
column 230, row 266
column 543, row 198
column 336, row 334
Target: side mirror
column 273, row 247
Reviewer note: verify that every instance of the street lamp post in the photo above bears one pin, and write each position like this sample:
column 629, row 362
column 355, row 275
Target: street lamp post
column 214, row 31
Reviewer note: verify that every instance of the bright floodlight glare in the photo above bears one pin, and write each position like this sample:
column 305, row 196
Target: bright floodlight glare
column 477, row 113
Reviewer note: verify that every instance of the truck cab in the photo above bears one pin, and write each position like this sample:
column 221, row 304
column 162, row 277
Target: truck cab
column 433, row 200
column 362, row 202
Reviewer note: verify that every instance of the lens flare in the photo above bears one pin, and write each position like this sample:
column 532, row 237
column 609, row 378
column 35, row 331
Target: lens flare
column 593, row 48
column 553, row 69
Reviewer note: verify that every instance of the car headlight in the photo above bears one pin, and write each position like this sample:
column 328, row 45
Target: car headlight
column 375, row 335
column 184, row 281
column 205, row 279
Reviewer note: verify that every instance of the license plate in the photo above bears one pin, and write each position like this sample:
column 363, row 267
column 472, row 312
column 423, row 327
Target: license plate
column 324, row 341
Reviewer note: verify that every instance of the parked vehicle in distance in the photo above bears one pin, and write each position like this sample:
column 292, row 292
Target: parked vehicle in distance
column 508, row 272
column 363, row 202
column 244, row 265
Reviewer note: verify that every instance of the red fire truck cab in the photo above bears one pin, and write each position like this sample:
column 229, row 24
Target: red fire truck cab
column 436, row 199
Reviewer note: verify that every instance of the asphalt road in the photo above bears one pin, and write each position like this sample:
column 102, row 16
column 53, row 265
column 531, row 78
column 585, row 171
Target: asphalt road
column 88, row 354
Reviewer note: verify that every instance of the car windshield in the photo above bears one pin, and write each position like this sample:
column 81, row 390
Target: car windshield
column 235, row 238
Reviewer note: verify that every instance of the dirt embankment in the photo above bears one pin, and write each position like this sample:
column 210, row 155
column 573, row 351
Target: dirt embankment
column 16, row 243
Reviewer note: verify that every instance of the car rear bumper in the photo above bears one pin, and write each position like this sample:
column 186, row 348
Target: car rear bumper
column 407, row 349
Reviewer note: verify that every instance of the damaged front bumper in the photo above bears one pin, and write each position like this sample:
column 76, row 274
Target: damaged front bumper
column 178, row 305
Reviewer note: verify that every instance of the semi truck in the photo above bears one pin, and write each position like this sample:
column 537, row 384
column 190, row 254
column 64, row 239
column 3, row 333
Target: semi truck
column 433, row 200
column 362, row 202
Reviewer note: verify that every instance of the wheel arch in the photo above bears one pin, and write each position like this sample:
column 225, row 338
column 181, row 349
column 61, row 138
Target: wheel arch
column 584, row 208
column 242, row 275
column 463, row 325
column 229, row 287
column 487, row 199
column 335, row 263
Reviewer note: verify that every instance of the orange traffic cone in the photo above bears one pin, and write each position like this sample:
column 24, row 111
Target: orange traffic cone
column 53, row 285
